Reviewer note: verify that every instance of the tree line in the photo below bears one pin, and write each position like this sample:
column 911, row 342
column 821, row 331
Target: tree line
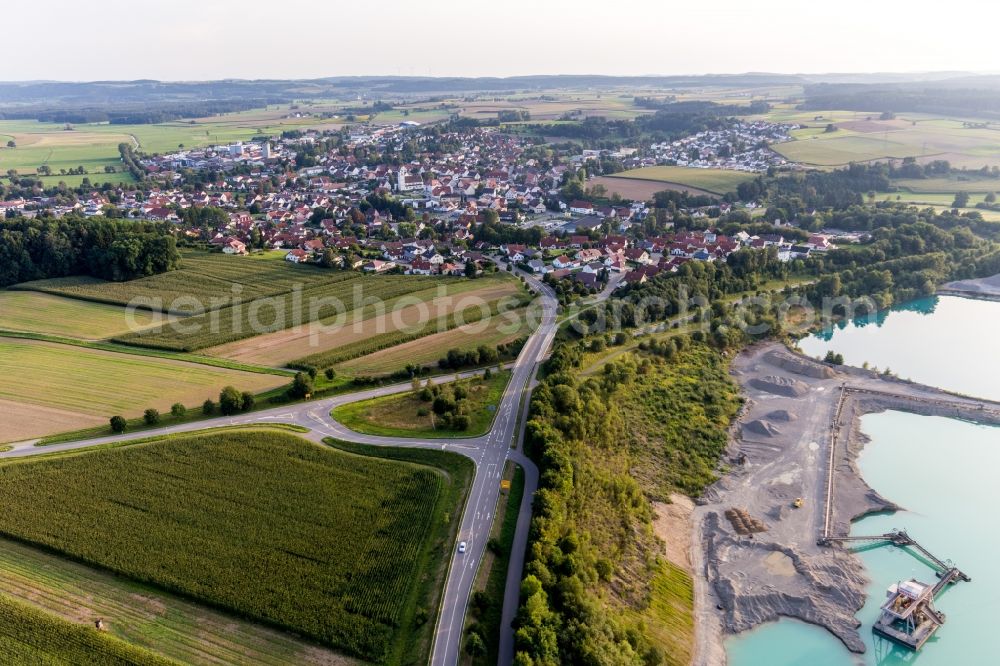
column 36, row 249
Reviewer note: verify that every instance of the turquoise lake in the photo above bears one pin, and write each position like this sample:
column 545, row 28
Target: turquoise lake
column 945, row 341
column 942, row 471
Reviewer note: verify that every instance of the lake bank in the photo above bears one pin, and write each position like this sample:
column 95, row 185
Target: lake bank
column 783, row 452
column 941, row 339
column 901, row 461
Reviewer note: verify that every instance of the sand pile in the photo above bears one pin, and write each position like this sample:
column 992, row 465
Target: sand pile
column 761, row 427
column 781, row 415
column 800, row 366
column 791, row 388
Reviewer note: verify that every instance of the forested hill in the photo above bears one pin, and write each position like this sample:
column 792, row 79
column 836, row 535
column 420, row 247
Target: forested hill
column 967, row 96
column 98, row 247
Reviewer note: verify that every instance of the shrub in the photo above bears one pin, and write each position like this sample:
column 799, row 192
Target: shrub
column 443, row 404
column 230, row 401
column 178, row 410
column 151, row 416
column 460, row 422
column 301, row 387
column 248, row 401
column 480, row 602
column 330, row 373
column 475, row 646
column 208, row 408
column 118, row 424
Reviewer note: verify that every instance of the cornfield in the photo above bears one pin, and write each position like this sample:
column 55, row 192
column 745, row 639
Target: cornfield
column 310, row 539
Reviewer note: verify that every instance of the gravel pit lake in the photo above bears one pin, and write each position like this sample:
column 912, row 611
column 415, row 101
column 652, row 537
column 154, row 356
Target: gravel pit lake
column 942, row 471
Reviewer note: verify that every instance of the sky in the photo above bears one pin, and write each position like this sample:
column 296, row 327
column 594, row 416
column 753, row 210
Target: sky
column 173, row 40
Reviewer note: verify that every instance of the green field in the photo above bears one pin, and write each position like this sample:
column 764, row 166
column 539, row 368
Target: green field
column 717, row 181
column 862, row 137
column 94, row 146
column 205, row 280
column 555, row 105
column 47, row 388
column 971, row 183
column 54, row 315
column 331, row 545
column 407, row 415
column 31, row 636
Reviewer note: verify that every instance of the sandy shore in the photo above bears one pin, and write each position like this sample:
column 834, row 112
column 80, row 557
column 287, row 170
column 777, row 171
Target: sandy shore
column 781, row 450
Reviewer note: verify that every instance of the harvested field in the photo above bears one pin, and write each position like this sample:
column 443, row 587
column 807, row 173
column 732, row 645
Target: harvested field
column 713, row 181
column 639, row 189
column 49, row 379
column 22, row 421
column 44, row 313
column 146, row 617
column 873, row 125
column 427, row 350
column 404, row 313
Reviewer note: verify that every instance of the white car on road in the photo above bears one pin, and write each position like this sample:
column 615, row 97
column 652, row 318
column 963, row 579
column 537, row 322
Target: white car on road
column 461, row 547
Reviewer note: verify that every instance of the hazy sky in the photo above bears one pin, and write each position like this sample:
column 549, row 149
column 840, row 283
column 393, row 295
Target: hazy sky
column 207, row 39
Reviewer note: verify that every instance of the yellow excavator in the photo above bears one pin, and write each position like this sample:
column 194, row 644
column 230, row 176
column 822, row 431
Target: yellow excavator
column 798, row 503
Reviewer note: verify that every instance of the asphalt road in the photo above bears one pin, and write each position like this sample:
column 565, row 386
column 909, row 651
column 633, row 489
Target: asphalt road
column 489, row 452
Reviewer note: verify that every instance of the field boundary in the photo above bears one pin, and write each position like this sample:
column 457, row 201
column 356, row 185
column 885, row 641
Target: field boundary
column 115, row 348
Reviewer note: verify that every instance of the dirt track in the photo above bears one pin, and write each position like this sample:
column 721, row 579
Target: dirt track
column 780, row 450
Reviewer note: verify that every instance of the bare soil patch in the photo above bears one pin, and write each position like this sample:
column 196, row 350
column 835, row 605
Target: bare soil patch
column 22, row 421
column 867, row 126
column 641, row 189
column 673, row 525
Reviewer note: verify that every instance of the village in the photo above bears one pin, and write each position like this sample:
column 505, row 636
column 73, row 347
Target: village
column 742, row 146
column 354, row 204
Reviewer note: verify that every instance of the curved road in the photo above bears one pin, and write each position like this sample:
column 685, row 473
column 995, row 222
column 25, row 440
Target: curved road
column 489, row 452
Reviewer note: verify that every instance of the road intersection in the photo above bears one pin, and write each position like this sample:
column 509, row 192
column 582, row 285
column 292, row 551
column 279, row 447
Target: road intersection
column 489, row 452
